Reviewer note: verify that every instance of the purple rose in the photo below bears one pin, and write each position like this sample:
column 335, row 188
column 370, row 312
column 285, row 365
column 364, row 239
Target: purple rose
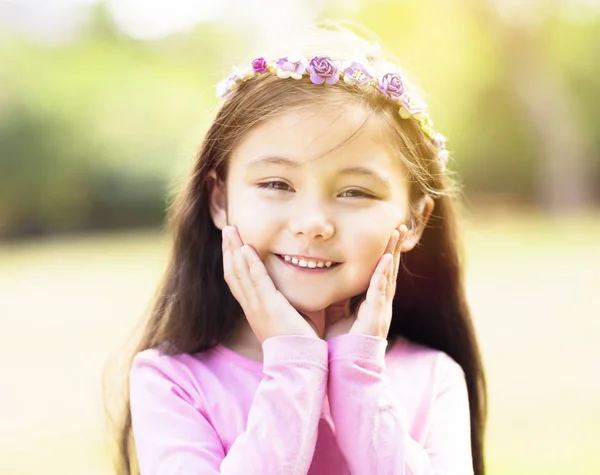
column 439, row 140
column 322, row 69
column 293, row 67
column 411, row 105
column 442, row 158
column 226, row 85
column 259, row 65
column 356, row 74
column 406, row 102
column 391, row 85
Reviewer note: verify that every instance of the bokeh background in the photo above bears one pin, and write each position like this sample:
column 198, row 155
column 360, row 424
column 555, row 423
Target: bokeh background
column 102, row 104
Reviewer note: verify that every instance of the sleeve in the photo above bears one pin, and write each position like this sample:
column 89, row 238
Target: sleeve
column 173, row 434
column 371, row 425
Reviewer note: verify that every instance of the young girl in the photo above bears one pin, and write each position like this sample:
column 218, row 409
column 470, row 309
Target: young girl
column 289, row 335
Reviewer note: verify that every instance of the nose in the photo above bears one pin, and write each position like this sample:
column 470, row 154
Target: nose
column 312, row 220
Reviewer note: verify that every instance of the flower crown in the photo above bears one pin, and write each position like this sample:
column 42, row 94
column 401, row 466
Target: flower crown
column 322, row 69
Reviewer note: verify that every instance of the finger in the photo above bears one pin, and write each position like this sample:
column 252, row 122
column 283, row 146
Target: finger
column 391, row 249
column 236, row 239
column 393, row 241
column 264, row 289
column 239, row 282
column 243, row 266
column 242, row 275
column 258, row 272
column 397, row 254
column 376, row 293
column 402, row 235
column 268, row 299
column 228, row 268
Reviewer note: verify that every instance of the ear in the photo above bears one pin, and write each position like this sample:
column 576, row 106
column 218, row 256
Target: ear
column 218, row 200
column 416, row 230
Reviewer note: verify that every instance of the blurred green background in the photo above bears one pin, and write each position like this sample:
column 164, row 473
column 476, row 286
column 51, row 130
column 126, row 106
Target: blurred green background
column 103, row 103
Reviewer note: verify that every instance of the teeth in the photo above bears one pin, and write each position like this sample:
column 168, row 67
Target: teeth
column 307, row 263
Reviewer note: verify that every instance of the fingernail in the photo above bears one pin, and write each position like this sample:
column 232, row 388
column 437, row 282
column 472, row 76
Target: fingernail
column 402, row 231
column 227, row 233
column 231, row 232
column 246, row 252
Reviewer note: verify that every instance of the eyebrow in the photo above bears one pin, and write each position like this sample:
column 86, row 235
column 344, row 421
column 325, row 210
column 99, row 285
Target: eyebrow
column 265, row 161
column 366, row 172
column 286, row 162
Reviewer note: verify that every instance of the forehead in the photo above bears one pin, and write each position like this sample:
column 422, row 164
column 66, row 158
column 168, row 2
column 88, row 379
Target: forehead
column 323, row 138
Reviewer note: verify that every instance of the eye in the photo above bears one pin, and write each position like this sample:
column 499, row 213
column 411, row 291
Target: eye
column 355, row 193
column 276, row 185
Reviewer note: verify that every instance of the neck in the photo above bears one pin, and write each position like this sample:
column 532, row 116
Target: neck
column 244, row 341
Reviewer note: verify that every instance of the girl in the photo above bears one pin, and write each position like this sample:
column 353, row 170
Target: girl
column 286, row 337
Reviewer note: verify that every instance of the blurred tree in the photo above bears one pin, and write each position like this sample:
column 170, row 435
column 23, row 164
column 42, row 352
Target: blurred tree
column 498, row 91
column 564, row 173
column 42, row 185
column 92, row 132
column 454, row 61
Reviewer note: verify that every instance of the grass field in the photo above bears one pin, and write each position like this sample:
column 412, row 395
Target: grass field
column 534, row 287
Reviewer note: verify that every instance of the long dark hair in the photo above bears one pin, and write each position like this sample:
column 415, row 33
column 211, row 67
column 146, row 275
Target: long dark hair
column 194, row 308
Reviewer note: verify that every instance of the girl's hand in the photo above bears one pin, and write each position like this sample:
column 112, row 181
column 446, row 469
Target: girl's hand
column 374, row 314
column 268, row 312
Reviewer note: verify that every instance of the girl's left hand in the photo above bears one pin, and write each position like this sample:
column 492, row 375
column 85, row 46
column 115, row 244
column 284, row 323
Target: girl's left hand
column 374, row 314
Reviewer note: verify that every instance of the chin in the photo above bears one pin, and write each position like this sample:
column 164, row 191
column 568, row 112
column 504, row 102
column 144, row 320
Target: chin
column 309, row 305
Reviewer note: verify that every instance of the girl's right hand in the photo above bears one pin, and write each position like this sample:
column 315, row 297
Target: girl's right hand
column 268, row 312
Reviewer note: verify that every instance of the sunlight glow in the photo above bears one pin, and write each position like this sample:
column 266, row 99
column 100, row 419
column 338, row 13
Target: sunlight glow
column 154, row 19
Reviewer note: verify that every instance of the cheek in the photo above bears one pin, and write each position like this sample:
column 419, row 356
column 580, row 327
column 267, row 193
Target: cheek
column 370, row 234
column 371, row 249
column 255, row 220
column 364, row 248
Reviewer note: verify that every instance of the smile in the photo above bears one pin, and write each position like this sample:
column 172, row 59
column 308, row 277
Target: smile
column 307, row 262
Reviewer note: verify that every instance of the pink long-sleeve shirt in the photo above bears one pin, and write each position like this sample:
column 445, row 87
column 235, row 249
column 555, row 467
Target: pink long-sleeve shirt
column 311, row 407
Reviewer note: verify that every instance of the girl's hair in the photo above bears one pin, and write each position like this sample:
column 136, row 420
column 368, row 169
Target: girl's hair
column 194, row 308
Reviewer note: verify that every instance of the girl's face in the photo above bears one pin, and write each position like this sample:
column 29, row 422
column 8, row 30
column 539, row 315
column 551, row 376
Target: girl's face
column 303, row 187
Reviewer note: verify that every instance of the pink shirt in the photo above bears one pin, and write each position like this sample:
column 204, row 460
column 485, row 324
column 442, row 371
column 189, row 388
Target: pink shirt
column 310, row 407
